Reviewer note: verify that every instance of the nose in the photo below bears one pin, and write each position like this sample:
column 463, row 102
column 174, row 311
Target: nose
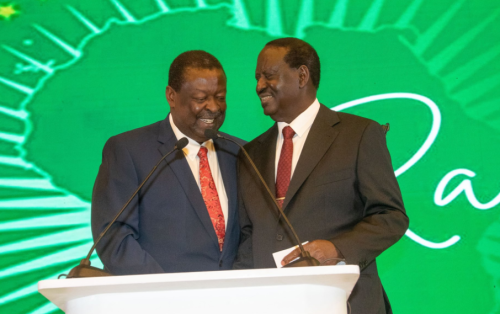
column 261, row 85
column 212, row 105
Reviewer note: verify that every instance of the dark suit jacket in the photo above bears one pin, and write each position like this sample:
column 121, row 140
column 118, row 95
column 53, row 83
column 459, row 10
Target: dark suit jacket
column 166, row 228
column 343, row 189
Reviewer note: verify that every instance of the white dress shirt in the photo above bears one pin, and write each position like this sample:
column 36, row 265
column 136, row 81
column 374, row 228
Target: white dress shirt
column 301, row 125
column 191, row 153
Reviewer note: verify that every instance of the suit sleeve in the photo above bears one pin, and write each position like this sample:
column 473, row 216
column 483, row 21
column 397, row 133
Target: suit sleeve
column 244, row 257
column 384, row 219
column 119, row 249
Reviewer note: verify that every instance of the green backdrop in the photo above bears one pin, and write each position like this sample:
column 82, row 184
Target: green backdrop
column 73, row 73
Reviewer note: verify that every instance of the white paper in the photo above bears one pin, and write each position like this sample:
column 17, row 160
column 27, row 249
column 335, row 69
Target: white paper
column 278, row 256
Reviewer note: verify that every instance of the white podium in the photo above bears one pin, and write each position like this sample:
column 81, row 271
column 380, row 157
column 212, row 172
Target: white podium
column 322, row 289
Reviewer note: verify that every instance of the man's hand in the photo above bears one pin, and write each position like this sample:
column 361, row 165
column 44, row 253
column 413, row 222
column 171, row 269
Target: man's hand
column 321, row 250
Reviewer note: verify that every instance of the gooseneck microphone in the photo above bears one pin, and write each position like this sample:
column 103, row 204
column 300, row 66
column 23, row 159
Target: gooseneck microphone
column 84, row 269
column 305, row 259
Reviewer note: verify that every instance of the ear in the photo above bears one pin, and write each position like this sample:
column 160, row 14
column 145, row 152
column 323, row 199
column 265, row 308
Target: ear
column 303, row 76
column 170, row 93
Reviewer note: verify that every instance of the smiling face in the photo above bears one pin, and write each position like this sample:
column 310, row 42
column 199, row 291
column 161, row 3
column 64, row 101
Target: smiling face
column 278, row 85
column 200, row 103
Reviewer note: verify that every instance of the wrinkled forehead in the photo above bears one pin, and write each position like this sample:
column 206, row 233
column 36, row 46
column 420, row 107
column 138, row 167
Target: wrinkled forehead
column 271, row 57
column 193, row 73
column 204, row 76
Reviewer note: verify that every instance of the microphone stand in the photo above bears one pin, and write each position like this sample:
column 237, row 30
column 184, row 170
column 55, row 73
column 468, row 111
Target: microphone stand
column 305, row 259
column 84, row 269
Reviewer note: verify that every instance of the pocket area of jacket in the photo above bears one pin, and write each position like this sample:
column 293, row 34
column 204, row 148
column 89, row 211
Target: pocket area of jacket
column 334, row 176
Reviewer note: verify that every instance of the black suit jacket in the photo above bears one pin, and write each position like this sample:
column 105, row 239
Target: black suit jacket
column 343, row 189
column 166, row 228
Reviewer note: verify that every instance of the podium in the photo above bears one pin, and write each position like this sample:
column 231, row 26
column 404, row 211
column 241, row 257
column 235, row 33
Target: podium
column 322, row 289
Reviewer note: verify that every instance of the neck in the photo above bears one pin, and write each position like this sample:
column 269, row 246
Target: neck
column 299, row 106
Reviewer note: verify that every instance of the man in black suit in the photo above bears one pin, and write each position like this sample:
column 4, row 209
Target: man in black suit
column 332, row 172
column 185, row 218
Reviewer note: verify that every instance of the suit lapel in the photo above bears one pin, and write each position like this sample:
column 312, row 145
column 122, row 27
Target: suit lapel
column 320, row 138
column 180, row 167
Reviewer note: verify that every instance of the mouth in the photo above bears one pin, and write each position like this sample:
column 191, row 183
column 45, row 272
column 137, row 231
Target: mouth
column 208, row 121
column 265, row 98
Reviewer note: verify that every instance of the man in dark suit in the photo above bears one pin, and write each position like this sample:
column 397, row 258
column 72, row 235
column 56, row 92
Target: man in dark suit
column 332, row 175
column 185, row 218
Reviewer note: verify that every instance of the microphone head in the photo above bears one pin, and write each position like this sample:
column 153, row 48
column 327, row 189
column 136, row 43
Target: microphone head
column 211, row 134
column 181, row 143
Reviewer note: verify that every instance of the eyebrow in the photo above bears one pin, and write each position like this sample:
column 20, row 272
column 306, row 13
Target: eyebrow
column 267, row 71
column 205, row 92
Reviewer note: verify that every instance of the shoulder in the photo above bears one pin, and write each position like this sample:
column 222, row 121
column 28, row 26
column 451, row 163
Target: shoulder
column 348, row 125
column 353, row 119
column 361, row 130
column 234, row 138
column 355, row 123
column 229, row 146
column 268, row 136
column 134, row 137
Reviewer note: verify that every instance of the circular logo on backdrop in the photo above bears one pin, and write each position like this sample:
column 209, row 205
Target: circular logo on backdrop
column 103, row 69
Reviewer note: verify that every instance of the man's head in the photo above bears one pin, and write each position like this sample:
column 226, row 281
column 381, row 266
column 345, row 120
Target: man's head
column 196, row 93
column 287, row 73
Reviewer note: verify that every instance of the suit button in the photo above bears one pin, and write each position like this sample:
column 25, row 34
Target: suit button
column 279, row 237
column 220, row 264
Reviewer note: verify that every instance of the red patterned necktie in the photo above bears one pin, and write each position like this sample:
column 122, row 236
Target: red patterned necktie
column 284, row 165
column 211, row 197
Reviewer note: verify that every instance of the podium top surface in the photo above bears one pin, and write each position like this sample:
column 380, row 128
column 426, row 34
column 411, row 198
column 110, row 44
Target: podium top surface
column 59, row 291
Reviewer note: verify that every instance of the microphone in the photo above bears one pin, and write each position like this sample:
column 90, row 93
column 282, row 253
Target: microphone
column 305, row 259
column 84, row 269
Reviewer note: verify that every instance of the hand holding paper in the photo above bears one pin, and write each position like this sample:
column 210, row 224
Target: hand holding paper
column 322, row 250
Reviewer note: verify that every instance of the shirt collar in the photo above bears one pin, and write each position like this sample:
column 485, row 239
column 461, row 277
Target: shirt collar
column 192, row 148
column 304, row 121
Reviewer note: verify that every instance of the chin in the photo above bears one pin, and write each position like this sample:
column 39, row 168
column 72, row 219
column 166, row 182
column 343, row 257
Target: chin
column 200, row 134
column 270, row 109
column 269, row 112
column 215, row 127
